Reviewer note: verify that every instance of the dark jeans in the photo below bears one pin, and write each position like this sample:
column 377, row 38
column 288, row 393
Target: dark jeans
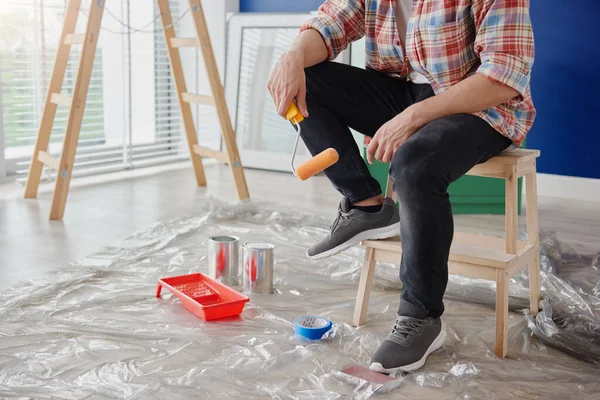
column 341, row 96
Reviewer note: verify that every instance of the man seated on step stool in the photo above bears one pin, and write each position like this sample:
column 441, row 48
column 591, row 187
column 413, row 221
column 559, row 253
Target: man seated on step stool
column 446, row 87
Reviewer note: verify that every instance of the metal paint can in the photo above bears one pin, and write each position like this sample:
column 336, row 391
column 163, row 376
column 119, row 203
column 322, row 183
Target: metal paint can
column 257, row 267
column 223, row 259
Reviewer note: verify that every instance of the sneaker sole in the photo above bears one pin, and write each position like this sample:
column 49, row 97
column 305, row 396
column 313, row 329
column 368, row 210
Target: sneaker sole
column 436, row 344
column 372, row 234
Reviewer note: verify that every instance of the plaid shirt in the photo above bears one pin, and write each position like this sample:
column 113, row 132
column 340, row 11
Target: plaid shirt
column 447, row 41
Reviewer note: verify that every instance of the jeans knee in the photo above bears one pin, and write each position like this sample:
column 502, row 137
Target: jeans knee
column 411, row 171
column 313, row 75
column 319, row 77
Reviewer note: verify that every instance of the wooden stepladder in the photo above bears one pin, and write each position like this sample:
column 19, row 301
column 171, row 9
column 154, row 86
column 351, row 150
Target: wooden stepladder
column 202, row 39
column 89, row 41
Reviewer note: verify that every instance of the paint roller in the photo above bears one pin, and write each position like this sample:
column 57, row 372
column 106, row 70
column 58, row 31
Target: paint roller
column 318, row 163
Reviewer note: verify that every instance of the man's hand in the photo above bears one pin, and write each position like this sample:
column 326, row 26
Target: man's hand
column 287, row 81
column 392, row 135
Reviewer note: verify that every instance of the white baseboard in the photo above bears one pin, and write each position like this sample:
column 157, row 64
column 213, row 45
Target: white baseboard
column 568, row 187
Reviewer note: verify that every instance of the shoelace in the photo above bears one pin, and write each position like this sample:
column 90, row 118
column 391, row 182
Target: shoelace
column 405, row 329
column 341, row 216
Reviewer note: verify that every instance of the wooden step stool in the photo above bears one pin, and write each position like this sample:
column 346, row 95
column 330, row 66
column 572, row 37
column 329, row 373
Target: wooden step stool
column 477, row 256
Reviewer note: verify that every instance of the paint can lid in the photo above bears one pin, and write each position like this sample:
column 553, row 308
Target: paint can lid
column 223, row 239
column 259, row 246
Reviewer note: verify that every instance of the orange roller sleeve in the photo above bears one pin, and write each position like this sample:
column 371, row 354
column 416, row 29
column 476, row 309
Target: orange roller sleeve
column 317, row 164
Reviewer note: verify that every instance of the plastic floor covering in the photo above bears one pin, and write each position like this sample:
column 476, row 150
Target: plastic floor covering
column 95, row 330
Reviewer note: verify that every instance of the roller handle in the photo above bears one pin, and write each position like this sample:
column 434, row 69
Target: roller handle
column 293, row 114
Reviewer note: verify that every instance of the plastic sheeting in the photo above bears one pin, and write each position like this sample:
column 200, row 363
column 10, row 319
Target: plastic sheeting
column 95, row 329
column 596, row 266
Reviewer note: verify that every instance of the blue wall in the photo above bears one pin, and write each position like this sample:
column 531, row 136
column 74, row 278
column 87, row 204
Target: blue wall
column 565, row 86
column 279, row 5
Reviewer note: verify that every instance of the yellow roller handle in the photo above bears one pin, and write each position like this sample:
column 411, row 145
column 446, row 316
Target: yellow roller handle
column 293, row 114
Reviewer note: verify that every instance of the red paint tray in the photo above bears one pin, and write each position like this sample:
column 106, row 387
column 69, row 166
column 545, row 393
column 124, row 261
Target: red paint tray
column 203, row 296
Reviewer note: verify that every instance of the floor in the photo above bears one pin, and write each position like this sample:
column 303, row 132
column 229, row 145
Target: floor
column 103, row 209
column 94, row 328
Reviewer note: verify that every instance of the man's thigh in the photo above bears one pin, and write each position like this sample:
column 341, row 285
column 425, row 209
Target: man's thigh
column 361, row 99
column 448, row 147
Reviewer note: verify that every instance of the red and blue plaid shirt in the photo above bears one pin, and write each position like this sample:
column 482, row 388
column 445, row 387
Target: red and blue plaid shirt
column 447, row 41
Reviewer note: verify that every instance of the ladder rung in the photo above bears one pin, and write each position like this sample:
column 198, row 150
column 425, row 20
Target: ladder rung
column 198, row 98
column 48, row 160
column 206, row 152
column 74, row 38
column 60, row 99
column 184, row 42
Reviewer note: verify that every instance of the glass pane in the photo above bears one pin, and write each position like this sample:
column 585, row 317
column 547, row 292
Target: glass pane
column 28, row 43
column 258, row 123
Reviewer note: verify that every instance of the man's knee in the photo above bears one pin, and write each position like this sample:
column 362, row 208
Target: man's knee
column 319, row 76
column 412, row 169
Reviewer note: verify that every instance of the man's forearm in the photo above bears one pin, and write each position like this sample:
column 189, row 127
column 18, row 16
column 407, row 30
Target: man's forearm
column 474, row 94
column 311, row 47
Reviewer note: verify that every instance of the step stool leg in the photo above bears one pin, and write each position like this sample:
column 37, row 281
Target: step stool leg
column 533, row 239
column 364, row 288
column 501, row 313
column 510, row 236
column 389, row 191
column 511, row 222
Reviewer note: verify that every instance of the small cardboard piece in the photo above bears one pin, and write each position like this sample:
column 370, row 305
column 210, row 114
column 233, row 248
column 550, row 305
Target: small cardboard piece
column 365, row 373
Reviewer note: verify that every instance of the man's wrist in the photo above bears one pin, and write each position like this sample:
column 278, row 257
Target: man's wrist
column 420, row 114
column 296, row 51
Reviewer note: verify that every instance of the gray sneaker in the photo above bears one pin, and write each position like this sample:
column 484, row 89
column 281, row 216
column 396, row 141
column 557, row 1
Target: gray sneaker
column 409, row 343
column 353, row 226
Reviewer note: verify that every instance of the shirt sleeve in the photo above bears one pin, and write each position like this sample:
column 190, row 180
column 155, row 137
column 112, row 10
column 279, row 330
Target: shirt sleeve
column 340, row 22
column 504, row 42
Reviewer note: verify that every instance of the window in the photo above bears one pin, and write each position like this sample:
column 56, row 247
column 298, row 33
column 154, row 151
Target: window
column 28, row 43
column 132, row 116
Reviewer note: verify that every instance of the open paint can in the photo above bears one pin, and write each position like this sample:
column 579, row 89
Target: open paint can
column 223, row 259
column 257, row 267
